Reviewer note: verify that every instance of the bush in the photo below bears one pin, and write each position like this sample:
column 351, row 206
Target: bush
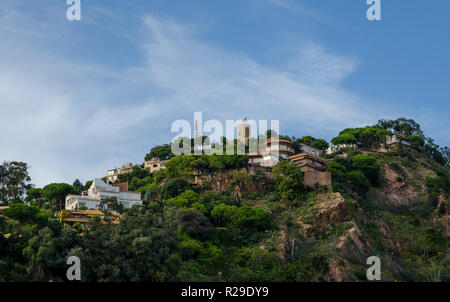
column 245, row 217
column 368, row 165
column 358, row 180
column 288, row 180
column 174, row 187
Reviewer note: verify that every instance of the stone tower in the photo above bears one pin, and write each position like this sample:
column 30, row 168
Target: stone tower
column 243, row 134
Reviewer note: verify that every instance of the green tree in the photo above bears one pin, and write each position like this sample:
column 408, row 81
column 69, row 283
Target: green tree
column 368, row 165
column 174, row 187
column 337, row 170
column 57, row 192
column 87, row 185
column 344, row 138
column 358, row 181
column 78, row 185
column 162, row 152
column 111, row 204
column 22, row 213
column 288, row 180
column 35, row 195
column 14, row 181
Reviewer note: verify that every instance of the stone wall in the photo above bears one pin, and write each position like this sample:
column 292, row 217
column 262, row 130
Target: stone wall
column 311, row 178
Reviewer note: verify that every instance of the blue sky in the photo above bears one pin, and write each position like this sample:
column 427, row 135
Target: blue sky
column 79, row 98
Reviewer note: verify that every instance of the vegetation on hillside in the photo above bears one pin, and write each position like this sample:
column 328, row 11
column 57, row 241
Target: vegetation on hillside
column 242, row 226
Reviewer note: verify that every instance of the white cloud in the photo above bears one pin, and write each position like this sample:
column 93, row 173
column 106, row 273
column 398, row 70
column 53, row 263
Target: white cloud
column 69, row 119
column 230, row 85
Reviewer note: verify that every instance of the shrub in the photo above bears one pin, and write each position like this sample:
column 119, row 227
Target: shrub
column 288, row 180
column 368, row 165
column 174, row 187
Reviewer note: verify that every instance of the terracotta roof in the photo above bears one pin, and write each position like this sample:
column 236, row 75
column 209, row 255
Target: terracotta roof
column 301, row 155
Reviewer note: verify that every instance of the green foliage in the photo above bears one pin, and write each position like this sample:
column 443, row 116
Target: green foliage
column 78, row 185
column 189, row 199
column 57, row 192
column 368, row 165
column 174, row 187
column 14, row 181
column 416, row 141
column 337, row 170
column 437, row 185
column 111, row 204
column 407, row 127
column 189, row 220
column 22, row 213
column 88, row 185
column 288, row 180
column 183, row 232
column 369, row 136
column 137, row 172
column 243, row 217
column 35, row 195
column 162, row 152
column 344, row 138
column 316, row 143
column 358, row 181
column 184, row 165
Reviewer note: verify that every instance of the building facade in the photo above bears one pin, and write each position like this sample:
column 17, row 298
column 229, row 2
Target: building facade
column 335, row 148
column 272, row 152
column 395, row 140
column 99, row 191
column 309, row 163
column 112, row 175
column 155, row 164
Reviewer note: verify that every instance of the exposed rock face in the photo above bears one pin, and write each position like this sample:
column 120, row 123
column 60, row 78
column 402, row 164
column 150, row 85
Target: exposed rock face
column 248, row 181
column 332, row 211
column 442, row 202
column 352, row 243
column 306, row 229
column 446, row 226
column 283, row 245
column 390, row 240
column 397, row 192
column 339, row 269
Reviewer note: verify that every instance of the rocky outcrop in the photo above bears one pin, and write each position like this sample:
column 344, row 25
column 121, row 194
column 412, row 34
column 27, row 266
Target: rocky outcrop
column 396, row 191
column 332, row 211
column 339, row 270
column 235, row 181
column 390, row 242
column 446, row 226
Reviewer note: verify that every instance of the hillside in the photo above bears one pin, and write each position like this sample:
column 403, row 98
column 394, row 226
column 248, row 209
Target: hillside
column 215, row 218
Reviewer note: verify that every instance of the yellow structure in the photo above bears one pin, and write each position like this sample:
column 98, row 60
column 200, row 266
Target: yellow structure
column 83, row 217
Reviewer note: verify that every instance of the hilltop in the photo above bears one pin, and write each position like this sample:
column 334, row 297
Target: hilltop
column 215, row 218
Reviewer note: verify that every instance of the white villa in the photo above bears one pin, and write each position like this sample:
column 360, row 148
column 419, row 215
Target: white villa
column 99, row 191
column 335, row 148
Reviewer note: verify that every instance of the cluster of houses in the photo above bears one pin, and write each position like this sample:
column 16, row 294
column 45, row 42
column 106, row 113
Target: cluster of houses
column 269, row 155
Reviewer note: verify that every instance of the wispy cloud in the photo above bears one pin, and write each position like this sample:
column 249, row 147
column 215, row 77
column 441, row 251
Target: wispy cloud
column 71, row 119
column 301, row 9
